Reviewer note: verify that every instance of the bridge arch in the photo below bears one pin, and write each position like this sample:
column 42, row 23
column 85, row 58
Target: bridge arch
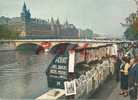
column 27, row 46
column 18, row 43
column 62, row 47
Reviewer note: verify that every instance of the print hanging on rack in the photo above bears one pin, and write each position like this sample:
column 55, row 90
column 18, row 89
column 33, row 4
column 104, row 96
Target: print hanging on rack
column 70, row 88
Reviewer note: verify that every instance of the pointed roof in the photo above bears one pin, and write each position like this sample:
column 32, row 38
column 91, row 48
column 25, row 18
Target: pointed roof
column 66, row 23
column 24, row 6
column 52, row 20
column 58, row 21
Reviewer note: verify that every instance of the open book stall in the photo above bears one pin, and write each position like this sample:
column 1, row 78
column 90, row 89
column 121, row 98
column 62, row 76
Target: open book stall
column 81, row 70
column 93, row 66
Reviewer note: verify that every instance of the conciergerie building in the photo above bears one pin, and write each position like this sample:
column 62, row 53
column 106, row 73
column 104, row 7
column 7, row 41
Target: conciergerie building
column 28, row 27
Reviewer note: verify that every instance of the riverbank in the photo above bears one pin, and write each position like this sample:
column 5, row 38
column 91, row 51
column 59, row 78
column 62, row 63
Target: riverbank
column 2, row 50
column 7, row 48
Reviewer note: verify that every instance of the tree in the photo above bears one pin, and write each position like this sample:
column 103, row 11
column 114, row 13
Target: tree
column 131, row 33
column 132, row 26
column 6, row 33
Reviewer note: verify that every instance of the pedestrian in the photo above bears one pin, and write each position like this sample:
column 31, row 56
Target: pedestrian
column 131, row 80
column 133, row 77
column 124, row 76
column 117, row 68
column 131, row 51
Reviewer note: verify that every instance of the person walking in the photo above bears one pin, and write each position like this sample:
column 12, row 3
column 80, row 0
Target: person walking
column 124, row 76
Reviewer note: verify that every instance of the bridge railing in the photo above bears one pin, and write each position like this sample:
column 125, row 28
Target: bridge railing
column 68, row 40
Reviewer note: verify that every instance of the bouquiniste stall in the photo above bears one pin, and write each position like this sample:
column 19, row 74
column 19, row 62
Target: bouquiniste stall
column 89, row 67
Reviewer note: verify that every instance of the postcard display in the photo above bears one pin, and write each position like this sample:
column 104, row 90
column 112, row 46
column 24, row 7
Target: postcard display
column 58, row 70
column 91, row 80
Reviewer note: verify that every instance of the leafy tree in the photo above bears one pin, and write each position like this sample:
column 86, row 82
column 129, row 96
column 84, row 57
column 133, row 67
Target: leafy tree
column 132, row 26
column 131, row 33
column 6, row 33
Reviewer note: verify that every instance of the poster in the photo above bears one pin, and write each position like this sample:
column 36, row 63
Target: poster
column 58, row 71
column 71, row 61
column 70, row 88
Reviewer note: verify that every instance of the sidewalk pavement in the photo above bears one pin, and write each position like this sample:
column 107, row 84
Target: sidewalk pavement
column 115, row 94
column 108, row 91
column 105, row 90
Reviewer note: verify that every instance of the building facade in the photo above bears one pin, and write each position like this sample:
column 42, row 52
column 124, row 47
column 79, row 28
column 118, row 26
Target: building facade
column 28, row 27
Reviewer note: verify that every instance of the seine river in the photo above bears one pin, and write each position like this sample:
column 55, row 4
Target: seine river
column 22, row 74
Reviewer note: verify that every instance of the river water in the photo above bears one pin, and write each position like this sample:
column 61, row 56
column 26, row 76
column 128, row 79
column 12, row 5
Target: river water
column 22, row 74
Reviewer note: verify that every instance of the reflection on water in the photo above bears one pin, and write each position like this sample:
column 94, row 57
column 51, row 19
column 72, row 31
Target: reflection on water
column 22, row 74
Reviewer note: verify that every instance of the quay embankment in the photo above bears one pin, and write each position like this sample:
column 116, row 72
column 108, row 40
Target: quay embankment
column 6, row 47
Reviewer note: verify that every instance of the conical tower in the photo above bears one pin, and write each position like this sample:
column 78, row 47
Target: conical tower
column 58, row 27
column 26, row 18
column 25, row 14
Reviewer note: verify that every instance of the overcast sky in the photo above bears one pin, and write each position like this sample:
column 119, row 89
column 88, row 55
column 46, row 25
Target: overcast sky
column 102, row 16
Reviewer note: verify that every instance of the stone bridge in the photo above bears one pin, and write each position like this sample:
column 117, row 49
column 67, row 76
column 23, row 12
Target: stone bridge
column 50, row 43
